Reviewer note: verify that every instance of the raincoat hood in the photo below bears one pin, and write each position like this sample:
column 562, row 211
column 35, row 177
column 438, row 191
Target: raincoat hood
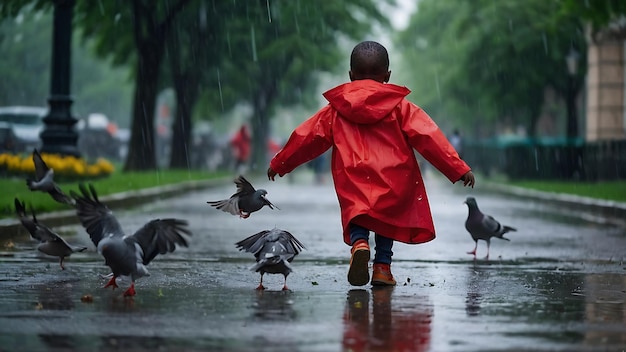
column 365, row 101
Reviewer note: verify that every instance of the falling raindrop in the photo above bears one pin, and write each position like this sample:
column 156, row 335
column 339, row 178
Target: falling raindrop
column 219, row 86
column 230, row 53
column 437, row 84
column 252, row 39
column 269, row 13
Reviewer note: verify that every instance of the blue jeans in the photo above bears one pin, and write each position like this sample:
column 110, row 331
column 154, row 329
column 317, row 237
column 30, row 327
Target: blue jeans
column 383, row 247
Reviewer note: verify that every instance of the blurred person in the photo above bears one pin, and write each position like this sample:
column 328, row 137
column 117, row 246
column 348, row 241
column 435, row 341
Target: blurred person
column 241, row 144
column 457, row 142
column 373, row 131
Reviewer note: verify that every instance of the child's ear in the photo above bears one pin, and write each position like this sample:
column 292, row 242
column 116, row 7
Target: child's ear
column 387, row 76
column 351, row 75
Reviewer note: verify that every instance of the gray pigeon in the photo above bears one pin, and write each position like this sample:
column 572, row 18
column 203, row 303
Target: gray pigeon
column 482, row 226
column 274, row 250
column 126, row 255
column 50, row 242
column 44, row 181
column 246, row 201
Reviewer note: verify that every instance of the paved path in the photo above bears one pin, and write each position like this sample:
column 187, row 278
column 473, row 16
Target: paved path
column 559, row 285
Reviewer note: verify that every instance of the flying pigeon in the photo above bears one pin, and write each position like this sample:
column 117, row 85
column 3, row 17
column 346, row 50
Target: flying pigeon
column 274, row 250
column 44, row 181
column 482, row 226
column 50, row 242
column 246, row 201
column 126, row 255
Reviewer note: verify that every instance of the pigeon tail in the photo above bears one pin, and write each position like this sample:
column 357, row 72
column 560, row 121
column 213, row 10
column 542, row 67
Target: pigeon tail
column 505, row 229
column 78, row 248
column 508, row 229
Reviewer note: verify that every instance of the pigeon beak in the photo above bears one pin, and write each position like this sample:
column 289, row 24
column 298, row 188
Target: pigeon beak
column 269, row 203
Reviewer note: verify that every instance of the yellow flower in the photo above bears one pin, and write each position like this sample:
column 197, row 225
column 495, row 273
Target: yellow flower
column 69, row 166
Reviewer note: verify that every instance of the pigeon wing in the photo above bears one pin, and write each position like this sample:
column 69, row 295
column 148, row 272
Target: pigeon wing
column 491, row 225
column 160, row 237
column 28, row 223
column 244, row 188
column 292, row 244
column 95, row 217
column 254, row 243
column 230, row 205
column 41, row 169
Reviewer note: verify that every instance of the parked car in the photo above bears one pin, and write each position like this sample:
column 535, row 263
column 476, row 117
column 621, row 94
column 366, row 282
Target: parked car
column 8, row 140
column 97, row 137
column 26, row 123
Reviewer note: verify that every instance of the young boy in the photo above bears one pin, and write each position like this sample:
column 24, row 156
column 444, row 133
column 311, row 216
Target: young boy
column 372, row 130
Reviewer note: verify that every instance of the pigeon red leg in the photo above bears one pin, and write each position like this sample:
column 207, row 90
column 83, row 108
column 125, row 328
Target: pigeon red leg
column 111, row 283
column 131, row 291
column 487, row 256
column 285, row 288
column 244, row 215
column 61, row 262
column 261, row 287
column 474, row 251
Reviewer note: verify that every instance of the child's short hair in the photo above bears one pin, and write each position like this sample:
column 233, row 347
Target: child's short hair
column 369, row 57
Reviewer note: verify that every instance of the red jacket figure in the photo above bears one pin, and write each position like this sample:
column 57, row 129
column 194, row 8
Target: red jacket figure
column 373, row 130
column 240, row 143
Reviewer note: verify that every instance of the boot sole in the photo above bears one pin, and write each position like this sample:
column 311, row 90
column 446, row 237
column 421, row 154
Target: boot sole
column 358, row 274
column 383, row 283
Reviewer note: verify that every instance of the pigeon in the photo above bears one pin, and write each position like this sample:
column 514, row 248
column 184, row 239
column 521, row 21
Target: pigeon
column 482, row 226
column 126, row 255
column 246, row 201
column 274, row 250
column 44, row 181
column 50, row 242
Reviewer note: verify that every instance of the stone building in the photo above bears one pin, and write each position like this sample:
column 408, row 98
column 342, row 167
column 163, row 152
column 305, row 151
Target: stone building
column 606, row 82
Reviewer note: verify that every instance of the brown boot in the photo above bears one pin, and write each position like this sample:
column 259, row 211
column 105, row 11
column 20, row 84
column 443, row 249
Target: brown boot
column 358, row 274
column 382, row 275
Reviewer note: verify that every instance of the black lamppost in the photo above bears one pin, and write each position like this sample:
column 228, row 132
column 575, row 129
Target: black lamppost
column 58, row 136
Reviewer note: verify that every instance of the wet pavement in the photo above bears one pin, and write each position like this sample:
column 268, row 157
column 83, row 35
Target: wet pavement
column 558, row 285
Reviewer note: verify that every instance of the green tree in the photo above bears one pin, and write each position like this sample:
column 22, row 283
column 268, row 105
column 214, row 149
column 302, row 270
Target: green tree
column 134, row 31
column 25, row 43
column 277, row 47
column 493, row 60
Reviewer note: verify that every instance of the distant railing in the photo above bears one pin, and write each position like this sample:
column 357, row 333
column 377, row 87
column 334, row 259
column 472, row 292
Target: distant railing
column 549, row 159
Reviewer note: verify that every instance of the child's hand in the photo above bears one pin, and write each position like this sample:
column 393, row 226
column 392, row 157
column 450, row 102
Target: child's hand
column 271, row 173
column 468, row 179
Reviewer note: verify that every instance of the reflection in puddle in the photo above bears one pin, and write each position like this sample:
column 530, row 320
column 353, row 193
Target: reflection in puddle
column 274, row 306
column 476, row 282
column 605, row 306
column 56, row 295
column 389, row 325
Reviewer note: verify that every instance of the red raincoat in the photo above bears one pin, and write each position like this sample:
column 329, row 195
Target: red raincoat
column 373, row 129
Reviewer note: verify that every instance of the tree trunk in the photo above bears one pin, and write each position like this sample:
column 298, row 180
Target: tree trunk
column 186, row 90
column 149, row 38
column 261, row 126
column 141, row 151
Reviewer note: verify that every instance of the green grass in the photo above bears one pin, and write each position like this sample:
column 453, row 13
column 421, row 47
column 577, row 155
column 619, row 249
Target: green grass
column 610, row 190
column 117, row 182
